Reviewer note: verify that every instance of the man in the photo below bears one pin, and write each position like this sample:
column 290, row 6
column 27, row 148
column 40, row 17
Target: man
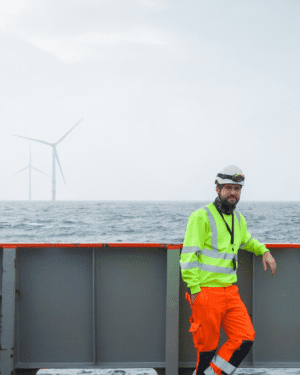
column 208, row 264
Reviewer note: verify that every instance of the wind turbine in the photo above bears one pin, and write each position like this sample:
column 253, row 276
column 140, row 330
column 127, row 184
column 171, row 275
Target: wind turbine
column 29, row 166
column 55, row 156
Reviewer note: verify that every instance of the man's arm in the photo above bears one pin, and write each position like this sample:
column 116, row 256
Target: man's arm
column 251, row 244
column 193, row 243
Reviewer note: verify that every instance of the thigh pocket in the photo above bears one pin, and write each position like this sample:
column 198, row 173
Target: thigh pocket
column 196, row 329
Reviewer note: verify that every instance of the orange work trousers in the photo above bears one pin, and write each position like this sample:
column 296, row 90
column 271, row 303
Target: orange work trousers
column 216, row 307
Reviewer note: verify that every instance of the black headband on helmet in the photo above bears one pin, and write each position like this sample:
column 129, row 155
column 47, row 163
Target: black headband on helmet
column 236, row 177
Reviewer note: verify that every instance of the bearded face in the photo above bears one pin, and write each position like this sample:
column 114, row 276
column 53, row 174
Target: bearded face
column 229, row 194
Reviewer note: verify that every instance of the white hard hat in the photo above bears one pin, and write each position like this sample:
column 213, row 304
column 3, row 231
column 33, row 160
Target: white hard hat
column 230, row 175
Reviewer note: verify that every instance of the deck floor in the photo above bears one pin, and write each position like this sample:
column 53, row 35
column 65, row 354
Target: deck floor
column 239, row 371
column 267, row 371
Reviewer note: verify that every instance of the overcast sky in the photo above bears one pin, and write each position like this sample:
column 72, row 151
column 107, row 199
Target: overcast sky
column 171, row 91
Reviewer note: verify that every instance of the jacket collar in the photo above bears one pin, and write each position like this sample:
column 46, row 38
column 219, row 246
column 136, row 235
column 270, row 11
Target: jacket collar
column 223, row 207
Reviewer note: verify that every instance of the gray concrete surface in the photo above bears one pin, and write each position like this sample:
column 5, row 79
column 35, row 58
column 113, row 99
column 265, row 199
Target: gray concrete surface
column 136, row 371
column 239, row 371
column 267, row 371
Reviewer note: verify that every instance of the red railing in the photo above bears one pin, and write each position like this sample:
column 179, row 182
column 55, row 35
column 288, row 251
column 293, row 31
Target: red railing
column 168, row 246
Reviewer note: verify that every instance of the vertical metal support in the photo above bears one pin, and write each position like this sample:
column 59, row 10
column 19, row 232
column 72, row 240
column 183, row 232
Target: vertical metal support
column 94, row 308
column 253, row 306
column 172, row 312
column 8, row 311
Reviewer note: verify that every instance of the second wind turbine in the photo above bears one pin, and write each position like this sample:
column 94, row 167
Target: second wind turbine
column 55, row 156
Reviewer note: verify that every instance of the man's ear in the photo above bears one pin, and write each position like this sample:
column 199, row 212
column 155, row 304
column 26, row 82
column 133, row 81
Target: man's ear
column 218, row 190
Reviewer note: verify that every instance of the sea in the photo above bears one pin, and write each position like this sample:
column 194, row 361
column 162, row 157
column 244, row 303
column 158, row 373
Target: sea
column 135, row 221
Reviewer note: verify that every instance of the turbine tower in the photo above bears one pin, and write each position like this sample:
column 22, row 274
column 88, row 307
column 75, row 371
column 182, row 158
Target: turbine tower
column 29, row 166
column 54, row 156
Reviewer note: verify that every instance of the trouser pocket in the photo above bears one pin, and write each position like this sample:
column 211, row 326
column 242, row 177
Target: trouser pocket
column 188, row 298
column 196, row 329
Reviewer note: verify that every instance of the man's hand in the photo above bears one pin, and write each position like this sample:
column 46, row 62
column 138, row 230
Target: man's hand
column 268, row 259
column 194, row 296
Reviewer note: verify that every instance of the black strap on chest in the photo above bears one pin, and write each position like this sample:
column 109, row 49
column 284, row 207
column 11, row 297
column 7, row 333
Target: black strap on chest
column 231, row 231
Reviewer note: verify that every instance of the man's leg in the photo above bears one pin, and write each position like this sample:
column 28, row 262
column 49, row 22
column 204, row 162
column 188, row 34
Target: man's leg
column 238, row 327
column 207, row 311
column 203, row 361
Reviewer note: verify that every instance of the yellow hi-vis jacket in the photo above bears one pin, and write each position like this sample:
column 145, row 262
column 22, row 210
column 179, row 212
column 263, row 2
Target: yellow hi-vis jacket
column 207, row 254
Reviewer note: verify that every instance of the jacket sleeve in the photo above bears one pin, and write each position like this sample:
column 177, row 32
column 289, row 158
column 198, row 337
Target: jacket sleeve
column 193, row 243
column 249, row 243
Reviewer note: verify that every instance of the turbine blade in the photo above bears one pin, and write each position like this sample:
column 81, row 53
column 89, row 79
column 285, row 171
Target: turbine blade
column 18, row 172
column 56, row 155
column 29, row 154
column 32, row 139
column 63, row 137
column 40, row 171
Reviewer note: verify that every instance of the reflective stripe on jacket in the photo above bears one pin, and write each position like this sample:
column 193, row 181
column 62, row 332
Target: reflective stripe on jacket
column 207, row 253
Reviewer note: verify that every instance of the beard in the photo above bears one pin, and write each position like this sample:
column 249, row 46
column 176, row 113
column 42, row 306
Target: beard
column 224, row 206
column 227, row 204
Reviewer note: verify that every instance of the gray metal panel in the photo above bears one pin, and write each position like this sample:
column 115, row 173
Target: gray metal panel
column 7, row 312
column 187, row 352
column 276, row 310
column 245, row 285
column 172, row 315
column 54, row 314
column 94, row 296
column 1, row 265
column 131, row 305
column 85, row 365
column 55, row 307
column 17, row 314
